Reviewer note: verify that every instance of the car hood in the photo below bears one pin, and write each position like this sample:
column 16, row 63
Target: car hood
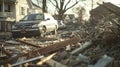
column 25, row 24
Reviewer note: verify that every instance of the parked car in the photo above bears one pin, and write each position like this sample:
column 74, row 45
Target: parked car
column 61, row 25
column 35, row 25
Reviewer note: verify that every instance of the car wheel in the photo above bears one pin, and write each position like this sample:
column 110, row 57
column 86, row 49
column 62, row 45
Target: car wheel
column 43, row 31
column 54, row 32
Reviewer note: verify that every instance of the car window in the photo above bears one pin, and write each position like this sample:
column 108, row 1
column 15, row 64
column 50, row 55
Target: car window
column 33, row 17
column 39, row 17
column 48, row 16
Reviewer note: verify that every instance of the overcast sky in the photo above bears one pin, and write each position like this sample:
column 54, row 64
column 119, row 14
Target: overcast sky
column 113, row 1
column 86, row 4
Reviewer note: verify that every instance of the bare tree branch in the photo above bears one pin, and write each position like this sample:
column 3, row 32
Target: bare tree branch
column 56, row 5
column 52, row 3
column 66, row 4
column 62, row 4
column 72, row 5
column 38, row 2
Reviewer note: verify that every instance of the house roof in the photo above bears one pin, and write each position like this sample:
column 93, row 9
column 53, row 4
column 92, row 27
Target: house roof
column 106, row 8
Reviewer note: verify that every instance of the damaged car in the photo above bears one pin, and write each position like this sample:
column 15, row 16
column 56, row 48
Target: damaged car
column 35, row 25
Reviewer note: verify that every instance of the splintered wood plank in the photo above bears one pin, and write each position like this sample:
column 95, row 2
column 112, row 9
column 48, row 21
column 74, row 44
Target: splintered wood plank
column 50, row 61
column 28, row 43
column 19, row 62
column 57, row 46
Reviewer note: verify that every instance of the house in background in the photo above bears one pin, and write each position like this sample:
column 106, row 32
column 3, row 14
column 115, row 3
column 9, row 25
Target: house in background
column 69, row 18
column 14, row 10
column 104, row 12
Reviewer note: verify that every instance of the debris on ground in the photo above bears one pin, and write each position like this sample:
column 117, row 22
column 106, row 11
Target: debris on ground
column 91, row 44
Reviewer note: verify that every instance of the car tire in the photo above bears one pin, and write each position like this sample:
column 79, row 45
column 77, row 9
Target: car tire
column 54, row 32
column 43, row 31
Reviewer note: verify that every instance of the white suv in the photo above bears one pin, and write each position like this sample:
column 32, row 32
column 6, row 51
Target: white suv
column 34, row 25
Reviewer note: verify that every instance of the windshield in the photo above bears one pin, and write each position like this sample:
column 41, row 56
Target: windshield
column 33, row 17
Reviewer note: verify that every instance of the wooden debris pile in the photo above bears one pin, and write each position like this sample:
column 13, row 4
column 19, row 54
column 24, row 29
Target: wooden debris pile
column 96, row 46
column 33, row 56
column 104, row 35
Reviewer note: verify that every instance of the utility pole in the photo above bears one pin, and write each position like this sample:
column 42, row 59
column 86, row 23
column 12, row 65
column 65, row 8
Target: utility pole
column 3, row 8
column 91, row 9
column 91, row 4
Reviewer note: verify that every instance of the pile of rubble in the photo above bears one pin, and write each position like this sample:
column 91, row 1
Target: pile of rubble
column 93, row 44
column 70, row 52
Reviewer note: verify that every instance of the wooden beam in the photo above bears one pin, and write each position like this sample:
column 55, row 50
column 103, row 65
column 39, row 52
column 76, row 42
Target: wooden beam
column 29, row 60
column 82, row 47
column 57, row 46
column 28, row 43
column 43, row 60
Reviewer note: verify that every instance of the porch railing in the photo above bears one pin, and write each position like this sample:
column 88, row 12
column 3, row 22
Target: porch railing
column 6, row 14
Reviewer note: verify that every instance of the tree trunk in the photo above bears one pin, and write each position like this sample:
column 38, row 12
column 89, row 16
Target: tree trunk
column 61, row 13
column 44, row 6
column 60, row 16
